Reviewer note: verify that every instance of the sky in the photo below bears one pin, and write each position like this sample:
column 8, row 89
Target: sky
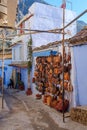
column 76, row 5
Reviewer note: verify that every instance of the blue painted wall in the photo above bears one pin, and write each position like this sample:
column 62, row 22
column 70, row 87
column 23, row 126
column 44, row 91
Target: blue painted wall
column 24, row 77
column 7, row 70
column 80, row 61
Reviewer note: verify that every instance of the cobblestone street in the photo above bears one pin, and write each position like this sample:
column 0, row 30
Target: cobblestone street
column 28, row 113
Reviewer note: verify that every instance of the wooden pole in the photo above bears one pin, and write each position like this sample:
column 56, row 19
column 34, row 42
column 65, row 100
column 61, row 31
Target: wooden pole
column 2, row 71
column 63, row 61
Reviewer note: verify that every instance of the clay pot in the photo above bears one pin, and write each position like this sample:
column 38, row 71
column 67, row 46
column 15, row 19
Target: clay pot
column 57, row 59
column 33, row 80
column 49, row 59
column 53, row 103
column 59, row 105
column 38, row 96
column 49, row 98
column 68, row 57
column 70, row 87
column 29, row 92
column 69, row 67
column 66, row 76
column 45, row 98
column 65, row 85
column 56, row 71
column 54, row 90
column 35, row 73
column 50, row 71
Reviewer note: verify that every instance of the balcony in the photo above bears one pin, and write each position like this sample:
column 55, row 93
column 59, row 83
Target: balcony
column 3, row 13
column 3, row 9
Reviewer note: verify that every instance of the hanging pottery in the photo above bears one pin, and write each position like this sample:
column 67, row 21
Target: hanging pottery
column 70, row 87
column 66, row 76
column 49, row 59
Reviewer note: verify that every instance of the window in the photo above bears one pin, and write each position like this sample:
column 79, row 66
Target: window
column 20, row 53
column 14, row 53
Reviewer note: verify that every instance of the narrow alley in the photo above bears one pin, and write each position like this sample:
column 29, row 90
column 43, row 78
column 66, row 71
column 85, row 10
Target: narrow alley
column 28, row 113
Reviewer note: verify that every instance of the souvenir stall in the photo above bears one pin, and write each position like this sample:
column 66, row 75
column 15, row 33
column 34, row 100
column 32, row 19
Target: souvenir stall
column 49, row 81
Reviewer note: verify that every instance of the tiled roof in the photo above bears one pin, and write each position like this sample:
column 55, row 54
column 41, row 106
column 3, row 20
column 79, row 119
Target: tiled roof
column 49, row 45
column 16, row 43
column 80, row 37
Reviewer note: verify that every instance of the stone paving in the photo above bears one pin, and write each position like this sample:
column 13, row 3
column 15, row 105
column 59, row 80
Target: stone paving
column 34, row 115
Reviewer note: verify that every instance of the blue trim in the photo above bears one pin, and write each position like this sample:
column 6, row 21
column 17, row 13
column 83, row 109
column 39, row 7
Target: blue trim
column 44, row 53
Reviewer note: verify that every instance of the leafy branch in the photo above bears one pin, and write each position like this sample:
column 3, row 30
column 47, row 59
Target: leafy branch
column 29, row 54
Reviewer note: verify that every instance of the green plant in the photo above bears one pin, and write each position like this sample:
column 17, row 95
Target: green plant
column 20, row 85
column 20, row 82
column 29, row 54
column 36, row 87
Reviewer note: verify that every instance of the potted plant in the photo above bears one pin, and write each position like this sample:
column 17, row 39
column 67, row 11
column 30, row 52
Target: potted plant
column 21, row 85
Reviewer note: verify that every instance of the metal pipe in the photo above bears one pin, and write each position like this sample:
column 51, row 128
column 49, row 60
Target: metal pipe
column 34, row 30
column 75, row 19
column 49, row 31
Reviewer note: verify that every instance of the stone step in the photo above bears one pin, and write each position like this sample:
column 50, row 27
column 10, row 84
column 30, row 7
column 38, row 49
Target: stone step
column 79, row 114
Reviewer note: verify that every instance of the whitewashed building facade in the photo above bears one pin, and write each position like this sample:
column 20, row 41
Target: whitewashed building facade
column 40, row 17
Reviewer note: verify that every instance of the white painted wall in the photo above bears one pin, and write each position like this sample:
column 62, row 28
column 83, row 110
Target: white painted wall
column 48, row 17
column 45, row 17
